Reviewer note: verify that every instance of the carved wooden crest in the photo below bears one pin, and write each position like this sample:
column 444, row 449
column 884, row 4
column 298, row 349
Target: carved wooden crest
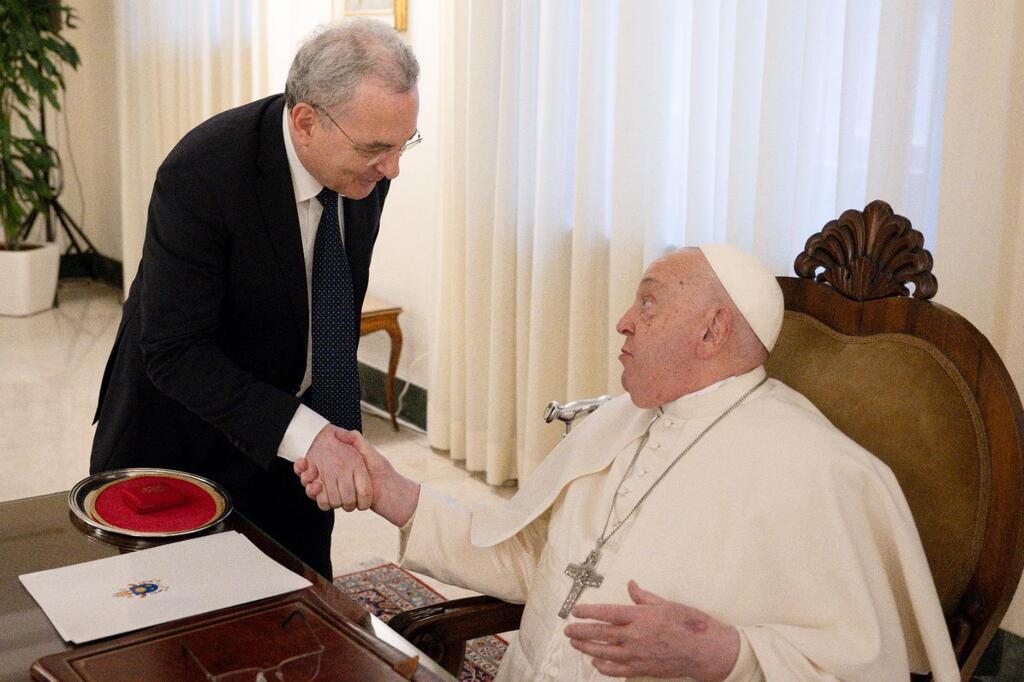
column 869, row 254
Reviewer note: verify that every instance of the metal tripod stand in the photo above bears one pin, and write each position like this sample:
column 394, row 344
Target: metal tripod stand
column 53, row 210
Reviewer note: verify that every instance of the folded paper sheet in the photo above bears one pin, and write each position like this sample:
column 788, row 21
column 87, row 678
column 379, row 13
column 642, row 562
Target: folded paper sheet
column 119, row 594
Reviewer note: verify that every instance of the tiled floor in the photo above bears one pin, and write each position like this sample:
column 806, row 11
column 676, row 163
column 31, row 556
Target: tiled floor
column 50, row 369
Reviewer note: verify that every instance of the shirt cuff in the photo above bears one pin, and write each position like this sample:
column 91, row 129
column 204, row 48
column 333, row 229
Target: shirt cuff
column 747, row 669
column 418, row 547
column 303, row 428
column 403, row 532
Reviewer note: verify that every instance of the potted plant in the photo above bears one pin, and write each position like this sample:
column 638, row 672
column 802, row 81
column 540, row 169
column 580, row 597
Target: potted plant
column 32, row 52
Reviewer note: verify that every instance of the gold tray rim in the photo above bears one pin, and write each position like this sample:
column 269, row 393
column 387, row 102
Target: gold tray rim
column 77, row 495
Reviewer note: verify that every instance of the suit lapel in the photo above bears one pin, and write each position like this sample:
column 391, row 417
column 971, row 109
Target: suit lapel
column 277, row 205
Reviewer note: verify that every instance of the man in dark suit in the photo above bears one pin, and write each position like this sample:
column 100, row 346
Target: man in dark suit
column 236, row 353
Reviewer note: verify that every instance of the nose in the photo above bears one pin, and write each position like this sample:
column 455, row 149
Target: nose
column 388, row 165
column 625, row 324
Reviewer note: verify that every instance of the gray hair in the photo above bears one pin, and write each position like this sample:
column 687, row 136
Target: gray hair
column 336, row 57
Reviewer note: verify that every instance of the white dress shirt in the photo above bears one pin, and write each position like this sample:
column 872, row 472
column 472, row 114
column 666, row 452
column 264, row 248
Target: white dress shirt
column 305, row 424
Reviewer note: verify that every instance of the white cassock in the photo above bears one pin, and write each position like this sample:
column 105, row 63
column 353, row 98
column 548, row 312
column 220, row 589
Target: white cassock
column 775, row 522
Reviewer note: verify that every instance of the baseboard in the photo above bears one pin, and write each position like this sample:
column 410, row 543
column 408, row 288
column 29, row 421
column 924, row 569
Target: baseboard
column 94, row 265
column 1003, row 660
column 413, row 407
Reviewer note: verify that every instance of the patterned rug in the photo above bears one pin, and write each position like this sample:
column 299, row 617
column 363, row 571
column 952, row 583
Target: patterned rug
column 387, row 590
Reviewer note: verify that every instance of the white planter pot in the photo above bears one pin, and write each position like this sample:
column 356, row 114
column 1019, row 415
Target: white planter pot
column 28, row 279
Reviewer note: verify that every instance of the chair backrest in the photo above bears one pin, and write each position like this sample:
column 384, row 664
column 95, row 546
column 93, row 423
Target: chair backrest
column 921, row 388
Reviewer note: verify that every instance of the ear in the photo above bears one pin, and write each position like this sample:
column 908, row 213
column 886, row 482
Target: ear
column 303, row 121
column 717, row 331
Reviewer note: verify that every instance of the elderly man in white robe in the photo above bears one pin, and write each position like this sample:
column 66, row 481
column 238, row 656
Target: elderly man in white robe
column 710, row 524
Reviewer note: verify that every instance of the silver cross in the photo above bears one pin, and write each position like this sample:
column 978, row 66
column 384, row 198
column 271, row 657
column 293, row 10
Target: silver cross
column 583, row 575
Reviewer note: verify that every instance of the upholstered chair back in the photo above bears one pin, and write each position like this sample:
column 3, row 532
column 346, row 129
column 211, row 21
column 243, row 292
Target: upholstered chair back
column 921, row 388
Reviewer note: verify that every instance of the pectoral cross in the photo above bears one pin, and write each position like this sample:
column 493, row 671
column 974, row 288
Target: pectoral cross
column 583, row 575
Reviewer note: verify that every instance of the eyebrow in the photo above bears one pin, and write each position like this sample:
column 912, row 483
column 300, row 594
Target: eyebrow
column 374, row 146
column 653, row 282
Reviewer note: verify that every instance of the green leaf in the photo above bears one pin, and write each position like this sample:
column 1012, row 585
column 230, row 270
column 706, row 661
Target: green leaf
column 31, row 59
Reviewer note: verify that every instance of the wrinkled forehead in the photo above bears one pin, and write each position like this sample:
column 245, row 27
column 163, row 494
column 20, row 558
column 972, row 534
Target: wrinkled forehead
column 685, row 268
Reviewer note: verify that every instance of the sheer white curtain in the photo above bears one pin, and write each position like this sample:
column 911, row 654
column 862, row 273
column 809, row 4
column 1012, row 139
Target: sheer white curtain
column 582, row 139
column 182, row 61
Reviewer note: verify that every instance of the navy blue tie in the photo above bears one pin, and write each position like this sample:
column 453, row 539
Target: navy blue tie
column 335, row 323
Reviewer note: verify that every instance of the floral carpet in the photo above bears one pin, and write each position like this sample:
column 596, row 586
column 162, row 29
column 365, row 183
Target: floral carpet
column 387, row 590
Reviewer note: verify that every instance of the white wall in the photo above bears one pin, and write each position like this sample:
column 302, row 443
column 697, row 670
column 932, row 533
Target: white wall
column 980, row 173
column 88, row 143
column 403, row 259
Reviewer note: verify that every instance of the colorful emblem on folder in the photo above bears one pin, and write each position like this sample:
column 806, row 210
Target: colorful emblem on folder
column 141, row 589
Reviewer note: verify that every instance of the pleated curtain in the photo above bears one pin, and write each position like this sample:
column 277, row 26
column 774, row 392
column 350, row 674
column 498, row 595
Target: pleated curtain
column 582, row 139
column 179, row 63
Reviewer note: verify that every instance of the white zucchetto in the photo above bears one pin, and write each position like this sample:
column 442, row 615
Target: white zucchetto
column 751, row 286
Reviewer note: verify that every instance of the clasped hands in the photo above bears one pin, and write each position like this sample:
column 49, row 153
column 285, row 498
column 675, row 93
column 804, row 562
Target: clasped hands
column 342, row 470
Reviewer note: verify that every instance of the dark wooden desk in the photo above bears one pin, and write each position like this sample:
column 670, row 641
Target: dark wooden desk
column 37, row 533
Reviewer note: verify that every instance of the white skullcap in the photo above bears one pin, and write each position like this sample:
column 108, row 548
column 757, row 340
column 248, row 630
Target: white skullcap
column 751, row 286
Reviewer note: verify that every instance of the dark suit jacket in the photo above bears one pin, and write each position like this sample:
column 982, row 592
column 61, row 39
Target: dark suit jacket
column 212, row 343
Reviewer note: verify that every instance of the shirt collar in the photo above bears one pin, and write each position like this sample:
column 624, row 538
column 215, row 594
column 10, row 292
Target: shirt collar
column 714, row 398
column 304, row 185
column 707, row 389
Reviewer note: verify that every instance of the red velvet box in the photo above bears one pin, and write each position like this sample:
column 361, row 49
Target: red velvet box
column 148, row 494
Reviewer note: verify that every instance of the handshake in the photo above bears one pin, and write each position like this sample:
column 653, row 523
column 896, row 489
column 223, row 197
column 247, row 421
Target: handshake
column 341, row 469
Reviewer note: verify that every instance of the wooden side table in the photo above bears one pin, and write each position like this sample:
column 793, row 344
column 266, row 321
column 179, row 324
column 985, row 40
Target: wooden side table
column 380, row 316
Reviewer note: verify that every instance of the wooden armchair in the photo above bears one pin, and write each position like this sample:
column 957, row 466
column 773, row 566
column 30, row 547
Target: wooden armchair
column 910, row 380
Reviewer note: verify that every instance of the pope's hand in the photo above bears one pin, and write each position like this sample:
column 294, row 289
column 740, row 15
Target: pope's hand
column 654, row 637
column 391, row 495
column 340, row 469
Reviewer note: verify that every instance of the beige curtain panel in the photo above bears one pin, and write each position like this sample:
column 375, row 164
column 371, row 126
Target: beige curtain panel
column 581, row 140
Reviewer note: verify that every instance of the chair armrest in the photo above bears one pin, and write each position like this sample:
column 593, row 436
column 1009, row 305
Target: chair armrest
column 441, row 630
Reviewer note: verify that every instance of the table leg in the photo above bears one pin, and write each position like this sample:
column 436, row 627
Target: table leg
column 395, row 332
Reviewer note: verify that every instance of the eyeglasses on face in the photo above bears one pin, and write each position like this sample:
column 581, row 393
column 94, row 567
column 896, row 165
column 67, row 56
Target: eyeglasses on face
column 373, row 156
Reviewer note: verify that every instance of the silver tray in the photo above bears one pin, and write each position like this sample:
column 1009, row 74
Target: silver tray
column 123, row 537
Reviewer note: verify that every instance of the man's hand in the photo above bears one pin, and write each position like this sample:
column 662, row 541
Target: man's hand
column 391, row 495
column 340, row 469
column 654, row 638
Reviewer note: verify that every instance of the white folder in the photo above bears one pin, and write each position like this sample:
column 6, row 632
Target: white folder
column 119, row 594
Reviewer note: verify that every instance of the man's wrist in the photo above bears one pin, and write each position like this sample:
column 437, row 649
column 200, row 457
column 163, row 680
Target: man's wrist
column 399, row 499
column 732, row 655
